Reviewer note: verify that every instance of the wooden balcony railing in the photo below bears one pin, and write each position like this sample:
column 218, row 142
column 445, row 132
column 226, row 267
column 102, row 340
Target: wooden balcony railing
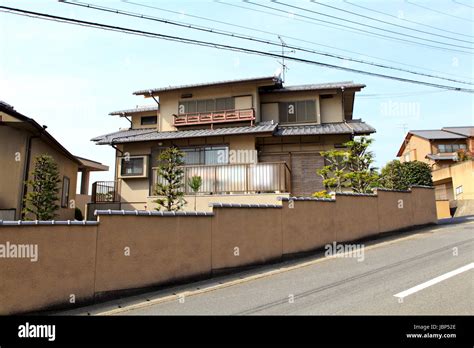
column 198, row 118
column 236, row 178
column 105, row 192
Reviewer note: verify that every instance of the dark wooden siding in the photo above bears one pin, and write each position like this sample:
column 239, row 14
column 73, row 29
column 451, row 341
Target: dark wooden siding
column 304, row 179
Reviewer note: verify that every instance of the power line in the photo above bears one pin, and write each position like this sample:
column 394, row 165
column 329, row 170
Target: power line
column 67, row 20
column 460, row 3
column 367, row 25
column 406, row 20
column 316, row 21
column 250, row 38
column 287, row 36
column 389, row 23
column 397, row 95
column 440, row 12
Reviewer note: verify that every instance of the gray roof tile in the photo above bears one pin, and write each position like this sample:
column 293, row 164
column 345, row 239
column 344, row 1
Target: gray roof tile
column 317, row 87
column 356, row 127
column 135, row 135
column 436, row 134
column 466, row 131
column 138, row 135
column 134, row 111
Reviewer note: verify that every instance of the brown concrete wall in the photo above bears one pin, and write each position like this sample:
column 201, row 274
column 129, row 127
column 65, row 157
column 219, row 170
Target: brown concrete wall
column 90, row 260
column 162, row 249
column 395, row 210
column 256, row 232
column 65, row 266
column 308, row 225
column 424, row 205
column 355, row 217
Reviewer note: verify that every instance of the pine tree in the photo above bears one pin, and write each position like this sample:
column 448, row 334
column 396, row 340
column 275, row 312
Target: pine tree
column 169, row 188
column 42, row 196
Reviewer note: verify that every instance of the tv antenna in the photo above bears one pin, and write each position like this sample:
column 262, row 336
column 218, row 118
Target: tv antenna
column 283, row 52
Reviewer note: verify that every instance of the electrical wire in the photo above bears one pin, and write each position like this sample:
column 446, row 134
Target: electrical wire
column 440, row 12
column 406, row 20
column 254, row 39
column 179, row 39
column 214, row 21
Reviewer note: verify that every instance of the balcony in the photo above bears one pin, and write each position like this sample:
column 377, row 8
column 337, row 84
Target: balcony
column 225, row 116
column 274, row 177
column 105, row 192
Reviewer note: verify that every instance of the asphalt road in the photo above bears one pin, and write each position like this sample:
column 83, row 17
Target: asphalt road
column 419, row 261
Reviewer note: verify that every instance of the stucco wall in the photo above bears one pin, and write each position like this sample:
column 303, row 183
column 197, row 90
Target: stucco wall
column 307, row 225
column 65, row 267
column 12, row 162
column 132, row 251
column 243, row 236
column 160, row 249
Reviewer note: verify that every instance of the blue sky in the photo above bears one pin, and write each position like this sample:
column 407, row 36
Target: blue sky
column 71, row 77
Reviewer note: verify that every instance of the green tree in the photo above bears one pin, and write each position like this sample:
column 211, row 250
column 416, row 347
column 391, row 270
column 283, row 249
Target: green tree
column 362, row 177
column 169, row 187
column 401, row 176
column 195, row 185
column 350, row 168
column 43, row 189
column 417, row 173
column 391, row 176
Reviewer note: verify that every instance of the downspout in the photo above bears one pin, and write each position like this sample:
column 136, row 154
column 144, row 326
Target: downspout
column 157, row 111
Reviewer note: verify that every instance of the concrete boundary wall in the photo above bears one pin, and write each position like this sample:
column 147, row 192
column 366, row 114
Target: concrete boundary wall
column 78, row 262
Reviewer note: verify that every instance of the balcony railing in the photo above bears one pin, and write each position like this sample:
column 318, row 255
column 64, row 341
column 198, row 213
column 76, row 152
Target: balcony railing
column 105, row 192
column 198, row 118
column 236, row 178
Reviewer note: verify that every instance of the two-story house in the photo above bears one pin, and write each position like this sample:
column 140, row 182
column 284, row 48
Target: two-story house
column 249, row 140
column 453, row 176
column 22, row 139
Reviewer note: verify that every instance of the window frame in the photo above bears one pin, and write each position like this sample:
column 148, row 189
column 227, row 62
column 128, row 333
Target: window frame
column 298, row 116
column 144, row 171
column 65, row 191
column 155, row 119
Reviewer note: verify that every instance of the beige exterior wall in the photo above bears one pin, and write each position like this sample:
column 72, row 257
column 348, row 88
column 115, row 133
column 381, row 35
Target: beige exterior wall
column 442, row 210
column 417, row 148
column 331, row 109
column 460, row 175
column 270, row 112
column 137, row 120
column 65, row 267
column 129, row 252
column 13, row 155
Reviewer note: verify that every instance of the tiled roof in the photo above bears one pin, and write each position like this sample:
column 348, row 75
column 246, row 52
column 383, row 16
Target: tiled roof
column 135, row 135
column 436, row 134
column 207, row 84
column 356, row 127
column 466, row 131
column 134, row 111
column 319, row 86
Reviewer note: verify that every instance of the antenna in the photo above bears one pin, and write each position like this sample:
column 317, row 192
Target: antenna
column 284, row 67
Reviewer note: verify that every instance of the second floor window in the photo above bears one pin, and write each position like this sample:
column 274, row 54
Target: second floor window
column 206, row 155
column 451, row 147
column 299, row 111
column 206, row 105
column 148, row 120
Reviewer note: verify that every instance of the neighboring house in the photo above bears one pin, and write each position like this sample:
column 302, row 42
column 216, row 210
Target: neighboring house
column 21, row 140
column 250, row 140
column 452, row 177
